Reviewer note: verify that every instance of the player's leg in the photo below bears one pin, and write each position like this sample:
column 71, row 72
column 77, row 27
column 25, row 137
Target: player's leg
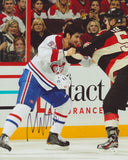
column 59, row 119
column 12, row 122
column 26, row 100
column 115, row 99
column 111, row 120
column 62, row 104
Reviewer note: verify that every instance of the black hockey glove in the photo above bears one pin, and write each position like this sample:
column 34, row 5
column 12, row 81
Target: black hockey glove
column 80, row 50
column 72, row 60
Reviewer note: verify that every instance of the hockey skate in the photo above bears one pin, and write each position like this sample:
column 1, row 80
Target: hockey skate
column 112, row 142
column 4, row 142
column 56, row 139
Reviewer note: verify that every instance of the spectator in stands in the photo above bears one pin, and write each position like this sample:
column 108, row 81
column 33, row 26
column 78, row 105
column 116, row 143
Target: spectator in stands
column 93, row 27
column 105, row 6
column 52, row 1
column 126, row 2
column 1, row 7
column 3, row 46
column 18, row 54
column 8, row 15
column 11, row 31
column 62, row 10
column 20, row 10
column 95, row 14
column 117, row 4
column 38, row 11
column 81, row 6
column 48, row 4
column 38, row 32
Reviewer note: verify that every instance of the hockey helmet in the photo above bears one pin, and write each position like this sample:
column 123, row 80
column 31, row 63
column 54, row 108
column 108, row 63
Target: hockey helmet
column 115, row 13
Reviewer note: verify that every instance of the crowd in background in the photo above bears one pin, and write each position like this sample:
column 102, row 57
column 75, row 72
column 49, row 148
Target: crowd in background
column 49, row 17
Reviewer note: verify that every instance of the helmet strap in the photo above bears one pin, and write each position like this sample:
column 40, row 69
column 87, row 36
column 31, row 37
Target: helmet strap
column 109, row 20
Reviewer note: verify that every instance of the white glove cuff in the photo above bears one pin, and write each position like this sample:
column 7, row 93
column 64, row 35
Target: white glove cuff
column 65, row 53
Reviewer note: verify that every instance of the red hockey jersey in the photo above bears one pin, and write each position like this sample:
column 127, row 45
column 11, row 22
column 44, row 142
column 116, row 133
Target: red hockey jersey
column 109, row 50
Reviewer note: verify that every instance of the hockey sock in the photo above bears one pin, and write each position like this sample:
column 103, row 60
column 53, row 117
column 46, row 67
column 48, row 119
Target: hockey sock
column 111, row 120
column 14, row 118
column 60, row 116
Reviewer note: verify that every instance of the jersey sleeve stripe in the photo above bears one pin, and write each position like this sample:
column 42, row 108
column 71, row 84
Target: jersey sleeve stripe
column 54, row 56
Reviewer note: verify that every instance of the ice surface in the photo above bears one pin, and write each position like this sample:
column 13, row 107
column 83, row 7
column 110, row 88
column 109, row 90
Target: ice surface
column 80, row 149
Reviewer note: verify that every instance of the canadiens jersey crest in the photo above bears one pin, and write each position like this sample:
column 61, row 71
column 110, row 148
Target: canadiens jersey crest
column 57, row 68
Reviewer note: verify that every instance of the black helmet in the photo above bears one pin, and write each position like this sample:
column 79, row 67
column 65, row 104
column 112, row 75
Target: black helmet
column 115, row 13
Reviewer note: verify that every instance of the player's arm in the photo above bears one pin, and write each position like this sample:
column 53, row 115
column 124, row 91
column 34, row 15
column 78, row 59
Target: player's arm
column 98, row 41
column 72, row 57
column 81, row 52
column 89, row 48
column 47, row 51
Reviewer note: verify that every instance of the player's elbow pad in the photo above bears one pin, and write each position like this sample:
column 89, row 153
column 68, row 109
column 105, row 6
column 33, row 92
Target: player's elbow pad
column 72, row 60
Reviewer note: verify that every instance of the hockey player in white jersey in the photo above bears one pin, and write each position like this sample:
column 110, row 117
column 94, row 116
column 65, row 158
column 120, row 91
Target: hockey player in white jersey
column 45, row 76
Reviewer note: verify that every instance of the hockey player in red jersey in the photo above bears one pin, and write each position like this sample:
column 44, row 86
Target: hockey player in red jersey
column 110, row 51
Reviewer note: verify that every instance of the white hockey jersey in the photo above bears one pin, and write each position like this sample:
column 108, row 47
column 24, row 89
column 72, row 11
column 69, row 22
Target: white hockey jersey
column 50, row 67
column 49, row 62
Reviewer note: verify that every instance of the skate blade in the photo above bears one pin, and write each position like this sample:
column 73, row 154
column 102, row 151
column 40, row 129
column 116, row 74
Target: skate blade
column 56, row 147
column 112, row 150
column 4, row 150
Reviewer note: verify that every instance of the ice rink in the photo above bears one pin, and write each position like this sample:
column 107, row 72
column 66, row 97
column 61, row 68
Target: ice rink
column 80, row 149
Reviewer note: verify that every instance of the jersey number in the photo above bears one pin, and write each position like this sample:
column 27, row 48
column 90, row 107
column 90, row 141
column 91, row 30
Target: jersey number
column 121, row 40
